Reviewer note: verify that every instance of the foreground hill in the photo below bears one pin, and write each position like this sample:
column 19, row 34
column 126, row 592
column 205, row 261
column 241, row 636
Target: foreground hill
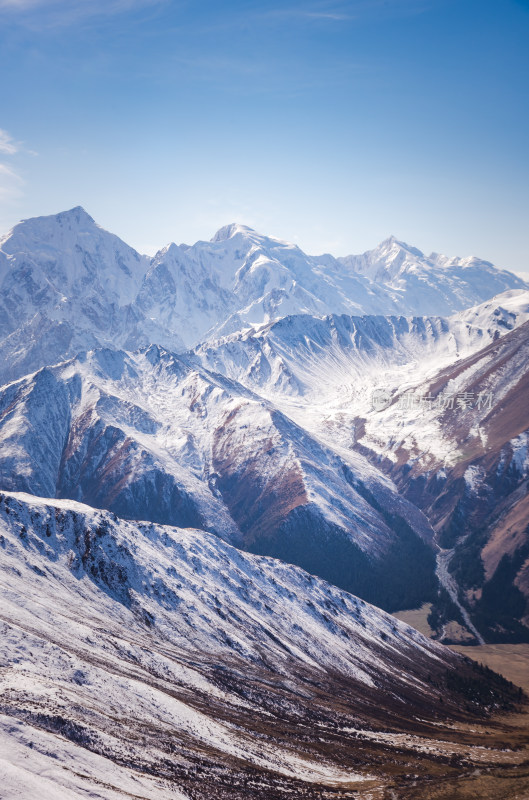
column 148, row 661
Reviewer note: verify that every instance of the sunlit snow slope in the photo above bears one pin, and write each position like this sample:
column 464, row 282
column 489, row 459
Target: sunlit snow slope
column 153, row 662
column 68, row 285
column 154, row 436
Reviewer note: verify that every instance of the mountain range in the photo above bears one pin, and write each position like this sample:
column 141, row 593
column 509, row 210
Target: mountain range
column 219, row 468
column 67, row 285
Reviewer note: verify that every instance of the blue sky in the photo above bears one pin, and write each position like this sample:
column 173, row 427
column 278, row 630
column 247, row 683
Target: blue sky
column 332, row 124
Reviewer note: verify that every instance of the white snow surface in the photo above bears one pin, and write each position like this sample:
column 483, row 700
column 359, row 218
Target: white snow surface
column 127, row 431
column 323, row 372
column 67, row 285
column 289, row 398
column 128, row 623
column 106, row 615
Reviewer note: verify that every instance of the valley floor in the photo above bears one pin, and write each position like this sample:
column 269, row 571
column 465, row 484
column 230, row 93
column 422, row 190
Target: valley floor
column 504, row 783
column 510, row 660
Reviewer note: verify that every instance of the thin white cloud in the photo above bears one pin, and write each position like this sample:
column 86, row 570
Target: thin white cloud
column 304, row 13
column 315, row 11
column 7, row 145
column 9, row 173
column 346, row 10
column 20, row 5
column 10, row 185
column 67, row 12
column 327, row 15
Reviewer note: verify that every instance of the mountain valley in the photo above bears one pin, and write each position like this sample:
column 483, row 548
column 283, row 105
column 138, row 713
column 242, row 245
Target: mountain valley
column 221, row 468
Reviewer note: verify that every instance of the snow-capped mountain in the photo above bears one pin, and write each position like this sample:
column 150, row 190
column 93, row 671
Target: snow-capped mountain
column 456, row 445
column 260, row 278
column 67, row 285
column 433, row 284
column 323, row 371
column 462, row 463
column 150, row 435
column 257, row 436
column 147, row 661
column 193, row 414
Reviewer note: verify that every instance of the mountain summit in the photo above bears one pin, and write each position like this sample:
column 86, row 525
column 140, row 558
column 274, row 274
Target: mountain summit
column 68, row 285
column 229, row 231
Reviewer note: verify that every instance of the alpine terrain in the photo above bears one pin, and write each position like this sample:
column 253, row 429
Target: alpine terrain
column 222, row 470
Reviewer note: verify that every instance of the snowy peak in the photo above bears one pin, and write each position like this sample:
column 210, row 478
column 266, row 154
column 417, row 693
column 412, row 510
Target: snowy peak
column 70, row 248
column 49, row 229
column 75, row 216
column 67, row 285
column 434, row 284
column 393, row 257
column 390, row 259
column 229, row 231
column 392, row 246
